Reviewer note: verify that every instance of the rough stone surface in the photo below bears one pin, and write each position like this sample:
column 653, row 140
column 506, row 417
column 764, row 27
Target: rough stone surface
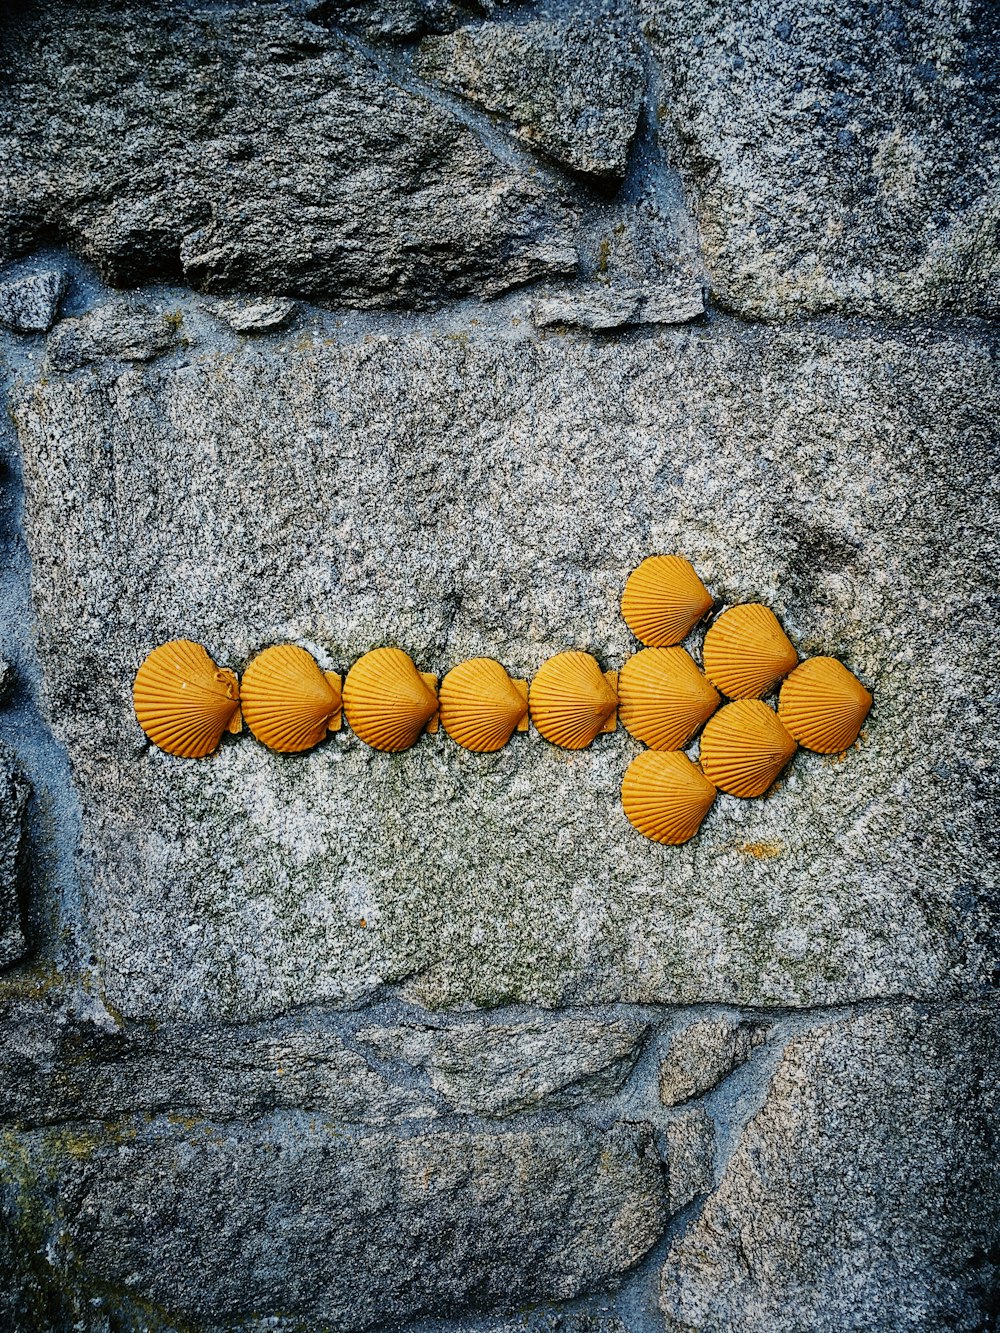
column 264, row 152
column 14, row 800
column 489, row 494
column 501, row 1069
column 491, row 1221
column 574, row 89
column 14, row 793
column 648, row 245
column 876, row 1152
column 704, row 1053
column 222, row 1073
column 7, row 678
column 29, row 303
column 838, row 157
column 602, row 308
column 396, row 20
column 671, row 304
column 690, row 1138
column 255, row 316
column 119, row 330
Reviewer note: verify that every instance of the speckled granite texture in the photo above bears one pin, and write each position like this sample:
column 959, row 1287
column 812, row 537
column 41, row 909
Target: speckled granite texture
column 421, row 323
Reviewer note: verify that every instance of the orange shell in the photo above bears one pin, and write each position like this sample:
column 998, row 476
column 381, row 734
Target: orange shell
column 663, row 599
column 288, row 703
column 746, row 651
column 481, row 706
column 572, row 700
column 744, row 747
column 823, row 705
column 663, row 698
column 665, row 796
column 183, row 701
column 388, row 702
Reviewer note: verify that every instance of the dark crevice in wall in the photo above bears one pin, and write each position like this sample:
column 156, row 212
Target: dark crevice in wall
column 509, row 316
column 49, row 879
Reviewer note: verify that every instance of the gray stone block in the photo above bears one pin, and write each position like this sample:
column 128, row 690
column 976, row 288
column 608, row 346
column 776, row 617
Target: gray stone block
column 864, row 1194
column 573, row 88
column 501, row 1069
column 218, row 1072
column 838, row 158
column 489, row 495
column 690, row 1138
column 602, row 308
column 289, row 1216
column 265, row 153
column 701, row 1055
column 29, row 303
column 120, row 330
column 255, row 316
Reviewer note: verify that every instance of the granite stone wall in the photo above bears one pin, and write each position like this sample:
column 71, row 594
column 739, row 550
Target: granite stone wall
column 421, row 323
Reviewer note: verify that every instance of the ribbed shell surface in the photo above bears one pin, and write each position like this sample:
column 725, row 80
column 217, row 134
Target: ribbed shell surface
column 288, row 702
column 571, row 700
column 663, row 599
column 481, row 706
column 663, row 698
column 746, row 651
column 665, row 796
column 823, row 705
column 744, row 747
column 387, row 701
column 183, row 701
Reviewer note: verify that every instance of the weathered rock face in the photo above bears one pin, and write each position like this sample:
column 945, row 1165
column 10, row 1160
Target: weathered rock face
column 29, row 304
column 615, row 307
column 14, row 792
column 876, row 1151
column 117, row 331
column 501, row 1069
column 574, row 89
column 216, row 1072
column 703, row 1054
column 341, row 1158
column 490, row 1220
column 489, row 496
column 838, row 157
column 395, row 20
column 255, row 316
column 691, row 1146
column 253, row 150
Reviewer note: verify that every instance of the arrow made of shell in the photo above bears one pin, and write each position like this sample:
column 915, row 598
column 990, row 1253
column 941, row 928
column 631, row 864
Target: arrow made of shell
column 184, row 702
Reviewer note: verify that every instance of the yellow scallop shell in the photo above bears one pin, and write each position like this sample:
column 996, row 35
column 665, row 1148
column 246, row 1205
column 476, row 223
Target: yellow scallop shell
column 663, row 599
column 288, row 702
column 183, row 701
column 823, row 705
column 572, row 700
column 663, row 698
column 746, row 651
column 665, row 796
column 744, row 747
column 388, row 702
column 481, row 706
